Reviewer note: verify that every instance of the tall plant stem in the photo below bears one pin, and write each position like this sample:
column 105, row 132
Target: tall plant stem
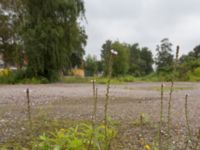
column 186, row 115
column 170, row 96
column 187, row 121
column 94, row 101
column 161, row 117
column 169, row 111
column 95, row 108
column 29, row 111
column 93, row 113
column 107, row 100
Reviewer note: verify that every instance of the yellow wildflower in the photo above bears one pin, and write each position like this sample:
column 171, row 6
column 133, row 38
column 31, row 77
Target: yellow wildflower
column 147, row 147
column 62, row 130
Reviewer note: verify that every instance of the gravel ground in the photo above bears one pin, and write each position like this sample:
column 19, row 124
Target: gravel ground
column 74, row 101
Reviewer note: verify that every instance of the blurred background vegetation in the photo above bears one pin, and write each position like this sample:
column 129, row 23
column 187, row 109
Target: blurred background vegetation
column 44, row 42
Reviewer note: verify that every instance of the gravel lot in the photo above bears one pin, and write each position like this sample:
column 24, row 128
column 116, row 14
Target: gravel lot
column 126, row 99
column 74, row 101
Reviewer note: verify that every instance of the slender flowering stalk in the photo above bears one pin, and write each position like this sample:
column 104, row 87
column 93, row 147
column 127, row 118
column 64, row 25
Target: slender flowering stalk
column 161, row 116
column 94, row 113
column 95, row 106
column 112, row 53
column 29, row 110
column 169, row 109
column 186, row 115
column 187, row 121
column 94, row 89
column 170, row 95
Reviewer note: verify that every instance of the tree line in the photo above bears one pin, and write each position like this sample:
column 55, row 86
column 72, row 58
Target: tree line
column 139, row 61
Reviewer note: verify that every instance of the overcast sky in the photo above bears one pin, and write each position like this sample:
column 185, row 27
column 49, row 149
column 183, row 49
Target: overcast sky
column 142, row 21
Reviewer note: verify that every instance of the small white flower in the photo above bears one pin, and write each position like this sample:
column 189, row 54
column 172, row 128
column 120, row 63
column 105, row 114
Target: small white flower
column 114, row 52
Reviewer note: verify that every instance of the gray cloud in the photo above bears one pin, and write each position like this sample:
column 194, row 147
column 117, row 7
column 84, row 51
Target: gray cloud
column 143, row 21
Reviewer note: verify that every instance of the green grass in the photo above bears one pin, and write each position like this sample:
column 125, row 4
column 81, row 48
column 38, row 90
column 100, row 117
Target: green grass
column 100, row 80
column 17, row 78
column 157, row 88
column 168, row 88
column 142, row 119
column 125, row 79
column 76, row 79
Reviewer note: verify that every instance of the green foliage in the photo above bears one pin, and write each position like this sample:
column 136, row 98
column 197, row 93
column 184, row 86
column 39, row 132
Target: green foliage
column 75, row 138
column 53, row 37
column 101, row 80
column 10, row 42
column 126, row 78
column 19, row 76
column 195, row 75
column 130, row 59
column 12, row 77
column 76, row 80
column 105, row 54
column 197, row 72
column 140, row 61
column 120, row 62
column 91, row 65
column 153, row 146
column 143, row 119
column 195, row 53
column 188, row 67
column 147, row 58
column 164, row 59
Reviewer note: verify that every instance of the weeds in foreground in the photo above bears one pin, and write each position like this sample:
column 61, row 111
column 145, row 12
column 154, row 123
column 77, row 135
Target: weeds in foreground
column 75, row 138
column 142, row 120
column 83, row 136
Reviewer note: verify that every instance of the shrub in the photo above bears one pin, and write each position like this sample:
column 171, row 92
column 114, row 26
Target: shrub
column 197, row 72
column 19, row 76
column 4, row 72
column 194, row 76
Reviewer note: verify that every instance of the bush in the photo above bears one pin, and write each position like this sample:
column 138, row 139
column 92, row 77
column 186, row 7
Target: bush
column 197, row 72
column 4, row 72
column 19, row 76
